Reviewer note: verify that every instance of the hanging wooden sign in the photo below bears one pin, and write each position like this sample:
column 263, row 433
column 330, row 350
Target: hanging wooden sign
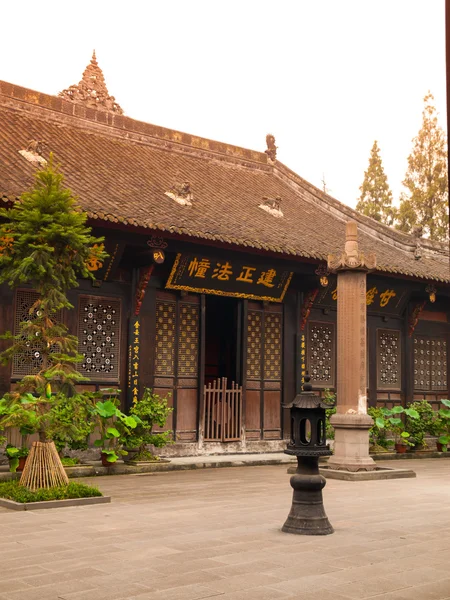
column 236, row 277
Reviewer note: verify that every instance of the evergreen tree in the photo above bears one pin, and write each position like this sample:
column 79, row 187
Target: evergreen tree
column 47, row 245
column 44, row 242
column 425, row 202
column 376, row 197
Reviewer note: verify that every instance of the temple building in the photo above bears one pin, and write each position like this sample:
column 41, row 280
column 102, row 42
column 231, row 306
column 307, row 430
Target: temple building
column 216, row 290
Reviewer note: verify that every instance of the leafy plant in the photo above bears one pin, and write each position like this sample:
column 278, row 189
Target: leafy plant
column 71, row 420
column 444, row 425
column 11, row 490
column 418, row 428
column 378, row 435
column 115, row 428
column 391, row 420
column 151, row 410
column 330, row 398
column 13, row 453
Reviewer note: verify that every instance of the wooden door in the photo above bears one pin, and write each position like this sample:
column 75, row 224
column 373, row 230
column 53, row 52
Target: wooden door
column 263, row 371
column 177, row 360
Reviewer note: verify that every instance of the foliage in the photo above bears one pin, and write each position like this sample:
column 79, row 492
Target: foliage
column 151, row 410
column 419, row 428
column 376, row 197
column 391, row 420
column 49, row 242
column 378, row 435
column 13, row 453
column 11, row 490
column 425, row 203
column 444, row 425
column 71, row 420
column 48, row 247
column 330, row 398
column 115, row 428
column 70, row 462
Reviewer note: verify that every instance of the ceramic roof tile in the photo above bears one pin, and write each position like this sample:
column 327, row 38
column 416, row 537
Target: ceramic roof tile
column 124, row 179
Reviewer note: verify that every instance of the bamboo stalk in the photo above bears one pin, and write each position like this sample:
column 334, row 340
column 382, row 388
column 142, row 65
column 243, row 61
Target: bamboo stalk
column 43, row 468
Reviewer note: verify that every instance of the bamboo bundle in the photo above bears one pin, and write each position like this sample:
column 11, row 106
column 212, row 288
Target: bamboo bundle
column 43, row 468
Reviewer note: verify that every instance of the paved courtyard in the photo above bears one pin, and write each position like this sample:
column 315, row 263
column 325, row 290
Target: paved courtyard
column 215, row 533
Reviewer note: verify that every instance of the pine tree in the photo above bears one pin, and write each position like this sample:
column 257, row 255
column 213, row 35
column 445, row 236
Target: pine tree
column 44, row 243
column 376, row 197
column 425, row 203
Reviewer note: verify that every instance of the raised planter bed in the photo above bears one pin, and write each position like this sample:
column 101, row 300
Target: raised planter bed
column 12, row 505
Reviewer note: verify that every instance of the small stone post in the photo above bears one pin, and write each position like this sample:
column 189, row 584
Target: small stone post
column 351, row 421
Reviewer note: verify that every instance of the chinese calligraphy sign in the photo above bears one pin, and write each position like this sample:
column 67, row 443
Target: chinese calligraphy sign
column 382, row 296
column 228, row 277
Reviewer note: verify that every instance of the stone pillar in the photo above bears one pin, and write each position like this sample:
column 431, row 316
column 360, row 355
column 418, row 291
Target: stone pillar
column 351, row 421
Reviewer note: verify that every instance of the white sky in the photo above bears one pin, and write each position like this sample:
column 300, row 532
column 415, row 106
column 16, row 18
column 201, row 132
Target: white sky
column 326, row 77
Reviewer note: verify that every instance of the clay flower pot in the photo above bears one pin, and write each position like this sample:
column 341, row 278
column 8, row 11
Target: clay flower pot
column 105, row 462
column 401, row 448
column 22, row 461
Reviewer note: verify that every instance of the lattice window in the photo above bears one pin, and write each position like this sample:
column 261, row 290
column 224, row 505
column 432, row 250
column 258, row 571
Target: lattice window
column 29, row 362
column 389, row 359
column 165, row 338
column 272, row 345
column 188, row 340
column 99, row 337
column 254, row 344
column 320, row 343
column 430, row 363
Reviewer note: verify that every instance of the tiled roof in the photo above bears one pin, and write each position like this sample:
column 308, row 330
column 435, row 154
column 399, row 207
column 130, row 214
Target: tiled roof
column 121, row 170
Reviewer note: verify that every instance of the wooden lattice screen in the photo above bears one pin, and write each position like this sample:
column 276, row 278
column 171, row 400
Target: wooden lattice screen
column 30, row 362
column 389, row 364
column 99, row 337
column 430, row 363
column 321, row 341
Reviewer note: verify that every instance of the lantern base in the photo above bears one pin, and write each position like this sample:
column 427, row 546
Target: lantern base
column 307, row 515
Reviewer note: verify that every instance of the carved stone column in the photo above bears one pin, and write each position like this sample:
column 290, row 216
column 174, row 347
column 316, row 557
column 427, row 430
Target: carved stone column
column 351, row 421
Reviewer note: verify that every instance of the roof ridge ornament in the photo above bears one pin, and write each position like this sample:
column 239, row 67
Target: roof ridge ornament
column 272, row 205
column 33, row 153
column 91, row 91
column 271, row 148
column 351, row 258
column 181, row 193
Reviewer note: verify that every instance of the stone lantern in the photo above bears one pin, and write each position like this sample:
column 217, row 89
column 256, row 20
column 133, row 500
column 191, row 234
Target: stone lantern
column 308, row 443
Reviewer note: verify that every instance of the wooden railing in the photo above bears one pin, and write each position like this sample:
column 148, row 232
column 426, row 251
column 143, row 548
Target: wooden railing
column 223, row 411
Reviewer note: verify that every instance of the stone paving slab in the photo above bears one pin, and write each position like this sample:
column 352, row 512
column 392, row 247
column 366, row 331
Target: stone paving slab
column 215, row 533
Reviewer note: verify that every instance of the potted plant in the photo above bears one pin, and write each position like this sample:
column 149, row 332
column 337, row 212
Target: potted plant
column 16, row 457
column 443, row 427
column 150, row 411
column 391, row 420
column 115, row 429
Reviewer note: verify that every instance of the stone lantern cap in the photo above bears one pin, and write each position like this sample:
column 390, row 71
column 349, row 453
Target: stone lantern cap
column 307, row 398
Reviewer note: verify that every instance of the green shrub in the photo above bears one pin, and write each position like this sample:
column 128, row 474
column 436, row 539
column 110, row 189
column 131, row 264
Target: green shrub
column 425, row 424
column 11, row 490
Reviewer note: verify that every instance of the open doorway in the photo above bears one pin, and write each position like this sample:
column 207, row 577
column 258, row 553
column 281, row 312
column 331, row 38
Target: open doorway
column 222, row 346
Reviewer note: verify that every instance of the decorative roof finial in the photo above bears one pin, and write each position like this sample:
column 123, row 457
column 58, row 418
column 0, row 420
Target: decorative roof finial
column 351, row 258
column 271, row 148
column 92, row 91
